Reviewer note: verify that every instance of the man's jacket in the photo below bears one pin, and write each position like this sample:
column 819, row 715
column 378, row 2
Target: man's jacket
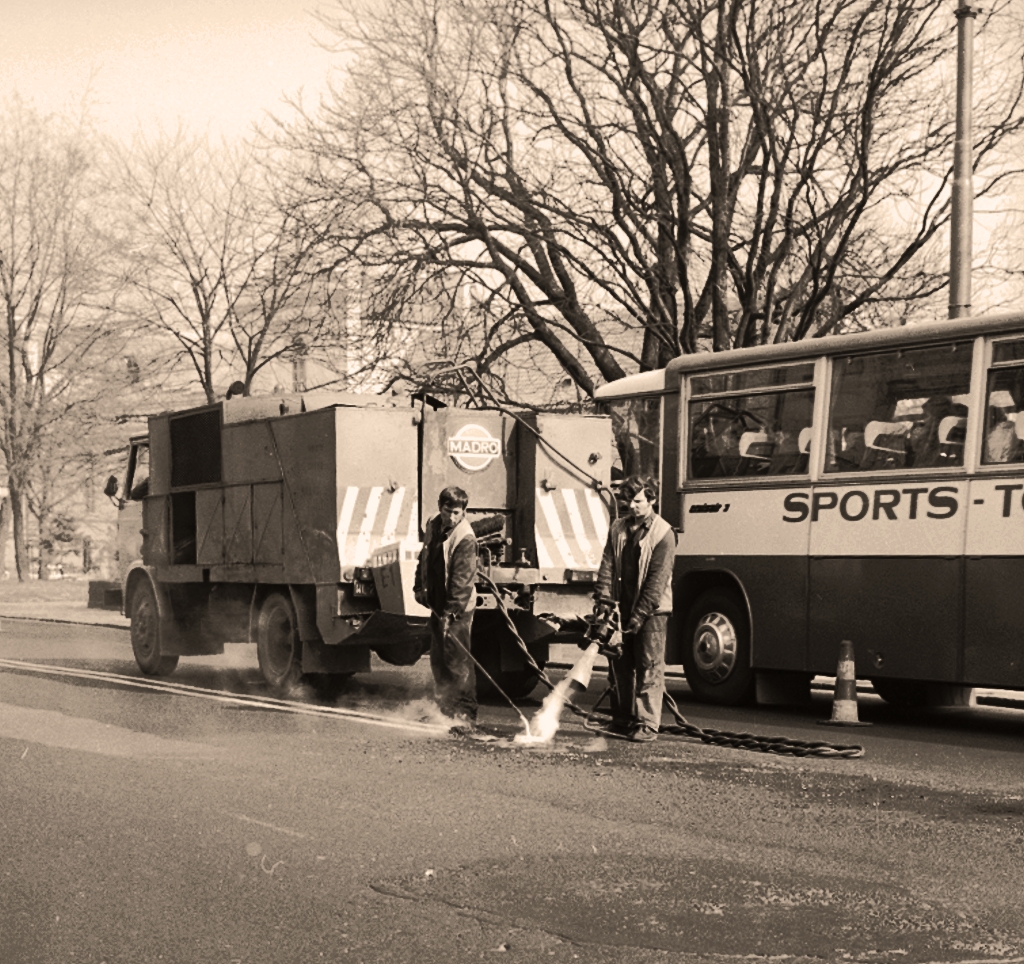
column 657, row 554
column 460, row 566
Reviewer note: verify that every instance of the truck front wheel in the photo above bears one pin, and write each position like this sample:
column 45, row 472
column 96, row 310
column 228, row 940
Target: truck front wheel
column 278, row 648
column 145, row 634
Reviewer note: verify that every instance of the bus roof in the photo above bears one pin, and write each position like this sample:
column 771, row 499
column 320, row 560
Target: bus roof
column 657, row 381
column 645, row 383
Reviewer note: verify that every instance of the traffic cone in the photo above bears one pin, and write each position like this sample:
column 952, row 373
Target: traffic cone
column 844, row 698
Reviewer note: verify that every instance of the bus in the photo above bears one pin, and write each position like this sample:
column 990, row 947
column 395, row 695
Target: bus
column 865, row 487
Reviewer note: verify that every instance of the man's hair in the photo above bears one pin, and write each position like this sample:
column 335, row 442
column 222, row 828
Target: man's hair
column 454, row 497
column 636, row 483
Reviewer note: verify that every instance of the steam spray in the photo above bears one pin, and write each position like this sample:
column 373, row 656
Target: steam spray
column 544, row 725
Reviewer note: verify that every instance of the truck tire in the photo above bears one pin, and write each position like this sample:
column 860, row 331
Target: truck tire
column 328, row 686
column 278, row 647
column 145, row 633
column 716, row 649
column 516, row 684
column 490, row 633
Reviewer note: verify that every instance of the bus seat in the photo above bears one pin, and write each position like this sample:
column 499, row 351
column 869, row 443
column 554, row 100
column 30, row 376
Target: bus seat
column 887, row 436
column 1019, row 425
column 952, row 430
column 804, row 440
column 755, row 445
column 885, row 444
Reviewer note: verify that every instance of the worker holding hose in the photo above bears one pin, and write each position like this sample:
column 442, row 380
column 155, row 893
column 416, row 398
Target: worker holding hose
column 446, row 584
column 636, row 575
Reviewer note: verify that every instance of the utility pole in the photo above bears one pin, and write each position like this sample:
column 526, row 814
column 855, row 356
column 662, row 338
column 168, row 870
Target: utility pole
column 961, row 226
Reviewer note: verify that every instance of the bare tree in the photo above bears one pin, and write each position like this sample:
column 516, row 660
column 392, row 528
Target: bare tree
column 625, row 180
column 57, row 338
column 221, row 273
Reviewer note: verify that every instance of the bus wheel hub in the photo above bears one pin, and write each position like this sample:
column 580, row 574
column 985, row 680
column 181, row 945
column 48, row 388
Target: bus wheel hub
column 714, row 647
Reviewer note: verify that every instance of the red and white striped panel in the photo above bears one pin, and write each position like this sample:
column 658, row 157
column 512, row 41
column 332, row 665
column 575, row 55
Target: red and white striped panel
column 571, row 528
column 373, row 517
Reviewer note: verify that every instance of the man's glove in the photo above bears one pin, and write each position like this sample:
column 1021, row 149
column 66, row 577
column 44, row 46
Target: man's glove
column 603, row 608
column 420, row 595
column 635, row 624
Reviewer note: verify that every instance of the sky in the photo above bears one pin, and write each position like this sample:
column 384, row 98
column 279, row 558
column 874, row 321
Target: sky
column 216, row 65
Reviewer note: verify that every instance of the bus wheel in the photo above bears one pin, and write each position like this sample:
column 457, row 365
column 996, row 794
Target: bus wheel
column 902, row 692
column 716, row 649
column 278, row 648
column 145, row 633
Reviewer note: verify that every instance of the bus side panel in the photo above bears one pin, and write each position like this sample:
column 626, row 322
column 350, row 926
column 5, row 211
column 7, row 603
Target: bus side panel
column 994, row 648
column 993, row 596
column 887, row 573
column 903, row 615
column 760, row 538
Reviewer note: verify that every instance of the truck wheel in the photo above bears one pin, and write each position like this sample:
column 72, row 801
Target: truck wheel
column 517, row 684
column 145, row 634
column 329, row 686
column 716, row 649
column 278, row 648
column 490, row 633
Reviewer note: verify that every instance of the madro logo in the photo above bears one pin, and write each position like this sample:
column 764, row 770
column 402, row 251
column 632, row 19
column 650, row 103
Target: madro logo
column 472, row 448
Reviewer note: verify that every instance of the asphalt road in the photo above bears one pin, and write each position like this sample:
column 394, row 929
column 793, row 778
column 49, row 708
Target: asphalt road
column 165, row 825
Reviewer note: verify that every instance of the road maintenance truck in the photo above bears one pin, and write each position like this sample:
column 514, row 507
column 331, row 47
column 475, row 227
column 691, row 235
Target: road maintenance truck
column 295, row 522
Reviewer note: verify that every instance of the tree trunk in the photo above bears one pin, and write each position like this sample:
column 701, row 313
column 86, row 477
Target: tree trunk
column 18, row 520
column 5, row 514
column 45, row 553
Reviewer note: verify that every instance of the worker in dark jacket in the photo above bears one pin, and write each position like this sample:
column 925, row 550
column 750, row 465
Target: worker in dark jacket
column 446, row 583
column 636, row 574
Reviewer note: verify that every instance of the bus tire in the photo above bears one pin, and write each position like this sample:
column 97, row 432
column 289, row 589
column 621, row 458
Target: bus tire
column 278, row 647
column 716, row 649
column 145, row 633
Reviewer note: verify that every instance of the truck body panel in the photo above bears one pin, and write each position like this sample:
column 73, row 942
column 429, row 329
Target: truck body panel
column 325, row 502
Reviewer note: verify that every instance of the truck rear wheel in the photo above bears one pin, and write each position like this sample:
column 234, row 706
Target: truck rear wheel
column 716, row 649
column 278, row 648
column 145, row 633
column 490, row 634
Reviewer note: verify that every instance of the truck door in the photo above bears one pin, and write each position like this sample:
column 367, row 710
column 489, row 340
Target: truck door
column 129, row 517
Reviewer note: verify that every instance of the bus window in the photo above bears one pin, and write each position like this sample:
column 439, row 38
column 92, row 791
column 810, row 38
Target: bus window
column 1004, row 405
column 764, row 434
column 636, row 423
column 899, row 410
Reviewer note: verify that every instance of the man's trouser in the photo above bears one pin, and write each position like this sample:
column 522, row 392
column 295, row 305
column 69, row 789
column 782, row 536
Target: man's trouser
column 452, row 666
column 639, row 675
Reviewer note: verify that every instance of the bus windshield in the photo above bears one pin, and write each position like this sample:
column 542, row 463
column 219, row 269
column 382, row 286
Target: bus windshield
column 636, row 424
